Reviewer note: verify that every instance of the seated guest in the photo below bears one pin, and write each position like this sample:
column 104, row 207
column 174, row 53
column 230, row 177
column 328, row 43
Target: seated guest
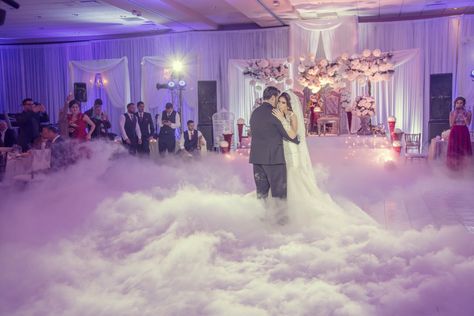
column 29, row 122
column 7, row 135
column 60, row 154
column 145, row 121
column 459, row 145
column 130, row 130
column 102, row 123
column 78, row 121
column 42, row 141
column 191, row 140
column 170, row 121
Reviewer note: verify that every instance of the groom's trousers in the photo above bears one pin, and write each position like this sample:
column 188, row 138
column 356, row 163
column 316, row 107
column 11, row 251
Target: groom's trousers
column 270, row 177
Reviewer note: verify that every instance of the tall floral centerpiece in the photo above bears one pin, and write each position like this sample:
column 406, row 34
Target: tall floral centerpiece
column 371, row 67
column 364, row 107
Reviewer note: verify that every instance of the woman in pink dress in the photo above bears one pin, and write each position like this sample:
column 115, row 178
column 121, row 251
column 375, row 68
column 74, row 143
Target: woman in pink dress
column 459, row 145
column 78, row 123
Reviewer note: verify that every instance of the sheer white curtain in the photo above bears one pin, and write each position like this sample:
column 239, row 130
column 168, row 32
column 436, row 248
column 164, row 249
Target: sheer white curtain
column 116, row 84
column 437, row 40
column 338, row 36
column 466, row 66
column 41, row 71
column 401, row 96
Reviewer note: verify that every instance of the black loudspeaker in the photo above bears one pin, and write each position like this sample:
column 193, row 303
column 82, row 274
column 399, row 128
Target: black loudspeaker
column 207, row 133
column 80, row 91
column 441, row 98
column 207, row 101
column 3, row 13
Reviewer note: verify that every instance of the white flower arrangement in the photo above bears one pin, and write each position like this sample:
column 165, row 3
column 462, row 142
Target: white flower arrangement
column 267, row 70
column 364, row 106
column 391, row 119
column 317, row 73
column 374, row 66
column 241, row 121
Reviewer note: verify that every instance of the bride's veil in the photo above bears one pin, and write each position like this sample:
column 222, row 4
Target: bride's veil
column 304, row 158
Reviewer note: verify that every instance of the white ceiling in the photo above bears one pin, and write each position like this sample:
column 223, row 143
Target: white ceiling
column 63, row 20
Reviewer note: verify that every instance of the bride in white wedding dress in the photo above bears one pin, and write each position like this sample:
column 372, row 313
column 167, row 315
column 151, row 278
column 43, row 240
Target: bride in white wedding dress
column 305, row 200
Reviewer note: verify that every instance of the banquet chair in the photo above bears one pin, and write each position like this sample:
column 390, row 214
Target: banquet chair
column 413, row 147
column 331, row 114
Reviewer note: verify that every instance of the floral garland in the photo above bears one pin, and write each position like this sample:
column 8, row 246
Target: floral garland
column 374, row 66
column 370, row 65
column 267, row 70
column 317, row 74
column 364, row 106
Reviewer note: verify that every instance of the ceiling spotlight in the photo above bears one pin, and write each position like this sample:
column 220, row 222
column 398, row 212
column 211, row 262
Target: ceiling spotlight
column 276, row 3
column 182, row 83
column 171, row 84
column 472, row 73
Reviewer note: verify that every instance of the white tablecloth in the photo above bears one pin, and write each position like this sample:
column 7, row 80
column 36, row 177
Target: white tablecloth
column 26, row 165
column 439, row 149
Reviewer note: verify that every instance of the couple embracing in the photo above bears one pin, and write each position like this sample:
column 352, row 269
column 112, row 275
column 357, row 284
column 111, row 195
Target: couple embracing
column 279, row 153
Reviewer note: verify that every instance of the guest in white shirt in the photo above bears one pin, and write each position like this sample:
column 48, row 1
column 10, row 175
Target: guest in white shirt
column 192, row 140
column 170, row 121
column 130, row 130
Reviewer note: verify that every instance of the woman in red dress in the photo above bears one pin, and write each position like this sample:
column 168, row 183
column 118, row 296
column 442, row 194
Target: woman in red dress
column 78, row 123
column 459, row 145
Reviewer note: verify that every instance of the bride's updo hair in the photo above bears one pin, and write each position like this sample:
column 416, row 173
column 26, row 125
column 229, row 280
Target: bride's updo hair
column 288, row 100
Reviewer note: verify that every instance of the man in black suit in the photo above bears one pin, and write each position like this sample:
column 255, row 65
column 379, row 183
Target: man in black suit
column 266, row 152
column 130, row 130
column 29, row 122
column 145, row 121
column 7, row 135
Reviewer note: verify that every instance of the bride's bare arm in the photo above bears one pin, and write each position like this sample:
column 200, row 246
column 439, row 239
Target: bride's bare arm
column 294, row 123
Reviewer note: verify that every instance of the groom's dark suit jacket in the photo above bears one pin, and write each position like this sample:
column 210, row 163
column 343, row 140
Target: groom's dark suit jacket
column 267, row 137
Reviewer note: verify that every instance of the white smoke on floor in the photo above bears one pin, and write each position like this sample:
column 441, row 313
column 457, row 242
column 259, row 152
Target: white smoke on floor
column 131, row 237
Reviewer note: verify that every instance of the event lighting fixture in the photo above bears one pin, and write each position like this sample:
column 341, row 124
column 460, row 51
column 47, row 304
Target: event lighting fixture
column 177, row 66
column 472, row 74
column 171, row 84
column 3, row 13
column 182, row 83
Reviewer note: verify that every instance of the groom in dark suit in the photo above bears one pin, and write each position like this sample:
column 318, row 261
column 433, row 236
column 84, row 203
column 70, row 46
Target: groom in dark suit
column 266, row 151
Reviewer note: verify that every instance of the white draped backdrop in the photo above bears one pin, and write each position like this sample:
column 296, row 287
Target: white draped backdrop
column 41, row 72
column 115, row 88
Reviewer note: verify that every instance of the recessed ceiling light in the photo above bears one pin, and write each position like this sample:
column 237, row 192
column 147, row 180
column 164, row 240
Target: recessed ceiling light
column 75, row 14
column 38, row 16
column 276, row 3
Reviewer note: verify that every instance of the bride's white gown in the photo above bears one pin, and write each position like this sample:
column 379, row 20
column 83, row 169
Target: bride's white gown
column 306, row 202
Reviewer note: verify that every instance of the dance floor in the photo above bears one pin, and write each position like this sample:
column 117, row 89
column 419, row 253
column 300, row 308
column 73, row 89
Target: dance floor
column 416, row 194
column 126, row 236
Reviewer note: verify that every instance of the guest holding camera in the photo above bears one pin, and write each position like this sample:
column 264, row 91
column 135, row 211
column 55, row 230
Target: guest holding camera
column 170, row 121
column 29, row 122
column 459, row 145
